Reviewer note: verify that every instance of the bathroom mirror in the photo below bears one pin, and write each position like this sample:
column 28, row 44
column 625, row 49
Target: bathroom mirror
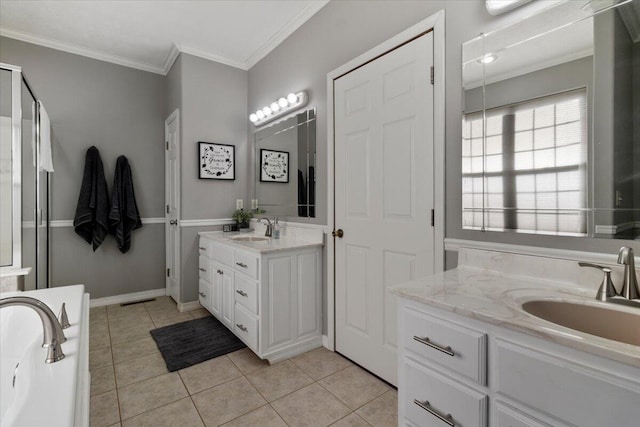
column 285, row 163
column 551, row 123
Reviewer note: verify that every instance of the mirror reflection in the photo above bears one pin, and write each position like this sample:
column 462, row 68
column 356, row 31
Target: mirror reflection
column 285, row 155
column 551, row 124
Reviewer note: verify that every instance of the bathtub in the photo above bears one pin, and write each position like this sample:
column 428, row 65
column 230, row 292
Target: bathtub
column 36, row 393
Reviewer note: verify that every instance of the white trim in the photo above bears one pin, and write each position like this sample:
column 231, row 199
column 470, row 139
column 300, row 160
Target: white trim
column 212, row 57
column 595, row 257
column 77, row 50
column 325, row 342
column 275, row 40
column 171, row 59
column 205, row 222
column 188, row 306
column 152, row 220
column 437, row 23
column 61, row 223
column 124, row 298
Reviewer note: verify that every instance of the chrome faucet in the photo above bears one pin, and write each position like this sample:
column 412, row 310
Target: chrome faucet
column 630, row 284
column 606, row 290
column 52, row 331
column 269, row 230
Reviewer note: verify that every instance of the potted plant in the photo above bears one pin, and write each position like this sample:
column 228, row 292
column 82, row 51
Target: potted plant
column 242, row 218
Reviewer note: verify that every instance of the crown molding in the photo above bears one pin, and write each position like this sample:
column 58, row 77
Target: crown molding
column 78, row 50
column 302, row 17
column 171, row 59
column 212, row 57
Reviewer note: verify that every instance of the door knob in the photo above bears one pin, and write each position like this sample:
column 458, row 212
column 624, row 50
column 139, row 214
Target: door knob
column 173, row 222
column 338, row 233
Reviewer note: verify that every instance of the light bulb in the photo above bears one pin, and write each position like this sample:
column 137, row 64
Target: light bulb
column 292, row 98
column 260, row 114
column 253, row 118
column 275, row 107
column 266, row 111
column 283, row 102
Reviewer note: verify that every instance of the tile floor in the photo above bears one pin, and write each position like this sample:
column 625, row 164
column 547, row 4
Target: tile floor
column 130, row 384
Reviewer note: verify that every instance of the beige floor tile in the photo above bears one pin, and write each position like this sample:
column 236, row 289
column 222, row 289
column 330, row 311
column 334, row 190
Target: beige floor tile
column 117, row 310
column 99, row 340
column 382, row 411
column 134, row 332
column 351, row 420
column 97, row 313
column 228, row 401
column 181, row 413
column 139, row 369
column 166, row 321
column 150, row 394
column 104, row 409
column 164, row 312
column 99, row 358
column 165, row 301
column 209, row 374
column 127, row 322
column 247, row 361
column 99, row 326
column 354, row 386
column 311, row 406
column 279, row 380
column 320, row 363
column 102, row 380
column 199, row 313
column 134, row 349
column 263, row 417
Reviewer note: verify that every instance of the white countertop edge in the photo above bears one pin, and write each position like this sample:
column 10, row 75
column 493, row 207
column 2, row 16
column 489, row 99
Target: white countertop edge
column 266, row 246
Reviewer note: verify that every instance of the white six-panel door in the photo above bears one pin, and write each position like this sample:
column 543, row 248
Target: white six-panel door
column 384, row 195
column 172, row 204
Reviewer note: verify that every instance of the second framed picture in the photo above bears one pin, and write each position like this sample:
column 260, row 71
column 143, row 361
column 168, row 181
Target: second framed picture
column 217, row 161
column 274, row 166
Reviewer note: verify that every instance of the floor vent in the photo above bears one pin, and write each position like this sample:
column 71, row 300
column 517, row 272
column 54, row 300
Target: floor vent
column 124, row 304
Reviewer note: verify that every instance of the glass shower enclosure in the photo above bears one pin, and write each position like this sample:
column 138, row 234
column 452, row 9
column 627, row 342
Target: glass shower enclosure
column 24, row 189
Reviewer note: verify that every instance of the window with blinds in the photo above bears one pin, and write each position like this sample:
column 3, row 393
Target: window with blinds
column 524, row 166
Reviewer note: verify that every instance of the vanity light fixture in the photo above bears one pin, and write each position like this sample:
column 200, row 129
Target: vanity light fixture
column 497, row 7
column 488, row 58
column 279, row 108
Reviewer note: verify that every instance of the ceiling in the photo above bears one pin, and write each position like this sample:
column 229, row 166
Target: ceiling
column 149, row 34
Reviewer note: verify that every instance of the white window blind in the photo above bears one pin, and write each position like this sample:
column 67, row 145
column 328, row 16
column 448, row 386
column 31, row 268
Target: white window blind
column 524, row 166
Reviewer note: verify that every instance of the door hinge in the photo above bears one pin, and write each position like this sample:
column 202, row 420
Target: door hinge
column 432, row 74
column 433, row 217
column 166, row 143
column 167, row 208
column 168, row 272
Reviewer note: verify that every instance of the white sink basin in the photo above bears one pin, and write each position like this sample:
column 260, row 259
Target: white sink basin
column 617, row 325
column 250, row 238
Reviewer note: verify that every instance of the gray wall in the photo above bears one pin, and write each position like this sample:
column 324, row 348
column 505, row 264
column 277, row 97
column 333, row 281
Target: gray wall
column 341, row 31
column 213, row 108
column 121, row 111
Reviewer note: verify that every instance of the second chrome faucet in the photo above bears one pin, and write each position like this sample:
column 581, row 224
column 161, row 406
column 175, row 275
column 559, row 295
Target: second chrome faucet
column 629, row 289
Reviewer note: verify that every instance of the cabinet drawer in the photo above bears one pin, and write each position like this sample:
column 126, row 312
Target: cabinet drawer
column 428, row 337
column 246, row 293
column 205, row 291
column 246, row 326
column 507, row 417
column 221, row 253
column 246, row 263
column 204, row 247
column 564, row 389
column 429, row 396
column 205, row 269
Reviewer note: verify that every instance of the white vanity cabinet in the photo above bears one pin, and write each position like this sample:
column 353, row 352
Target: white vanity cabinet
column 482, row 374
column 271, row 299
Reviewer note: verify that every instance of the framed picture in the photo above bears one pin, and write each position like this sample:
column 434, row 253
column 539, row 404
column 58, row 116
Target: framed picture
column 217, row 161
column 274, row 166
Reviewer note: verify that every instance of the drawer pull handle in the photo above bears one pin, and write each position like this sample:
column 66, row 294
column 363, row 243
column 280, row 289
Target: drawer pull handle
column 202, row 294
column 427, row 342
column 427, row 407
column 241, row 264
column 244, row 294
column 202, row 269
column 220, row 272
column 202, row 249
column 241, row 327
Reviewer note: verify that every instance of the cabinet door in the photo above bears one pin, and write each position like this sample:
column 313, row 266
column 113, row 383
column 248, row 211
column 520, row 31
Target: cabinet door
column 218, row 278
column 227, row 300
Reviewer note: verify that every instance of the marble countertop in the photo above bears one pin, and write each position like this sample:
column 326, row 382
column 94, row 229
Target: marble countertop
column 284, row 243
column 497, row 298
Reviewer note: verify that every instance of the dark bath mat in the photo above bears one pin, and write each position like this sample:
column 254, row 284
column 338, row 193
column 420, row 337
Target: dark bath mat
column 188, row 343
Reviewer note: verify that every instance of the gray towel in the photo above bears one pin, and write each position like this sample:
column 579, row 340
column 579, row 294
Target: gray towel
column 90, row 221
column 123, row 216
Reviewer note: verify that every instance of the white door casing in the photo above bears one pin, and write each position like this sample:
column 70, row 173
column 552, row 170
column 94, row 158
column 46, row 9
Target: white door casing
column 172, row 203
column 384, row 194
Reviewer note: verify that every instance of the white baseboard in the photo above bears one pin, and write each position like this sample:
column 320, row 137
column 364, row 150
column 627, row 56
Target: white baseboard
column 121, row 299
column 188, row 306
column 325, row 343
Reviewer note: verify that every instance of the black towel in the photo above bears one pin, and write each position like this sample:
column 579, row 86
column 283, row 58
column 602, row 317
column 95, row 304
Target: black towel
column 123, row 216
column 90, row 221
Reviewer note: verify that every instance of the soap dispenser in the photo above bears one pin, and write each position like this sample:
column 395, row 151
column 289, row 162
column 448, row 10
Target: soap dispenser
column 276, row 229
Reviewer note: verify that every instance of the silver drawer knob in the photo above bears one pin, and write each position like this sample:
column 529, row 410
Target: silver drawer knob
column 202, row 294
column 244, row 294
column 241, row 327
column 241, row 264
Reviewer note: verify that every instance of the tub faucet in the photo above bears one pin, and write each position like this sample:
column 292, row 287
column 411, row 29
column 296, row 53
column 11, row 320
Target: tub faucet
column 269, row 230
column 630, row 283
column 52, row 331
